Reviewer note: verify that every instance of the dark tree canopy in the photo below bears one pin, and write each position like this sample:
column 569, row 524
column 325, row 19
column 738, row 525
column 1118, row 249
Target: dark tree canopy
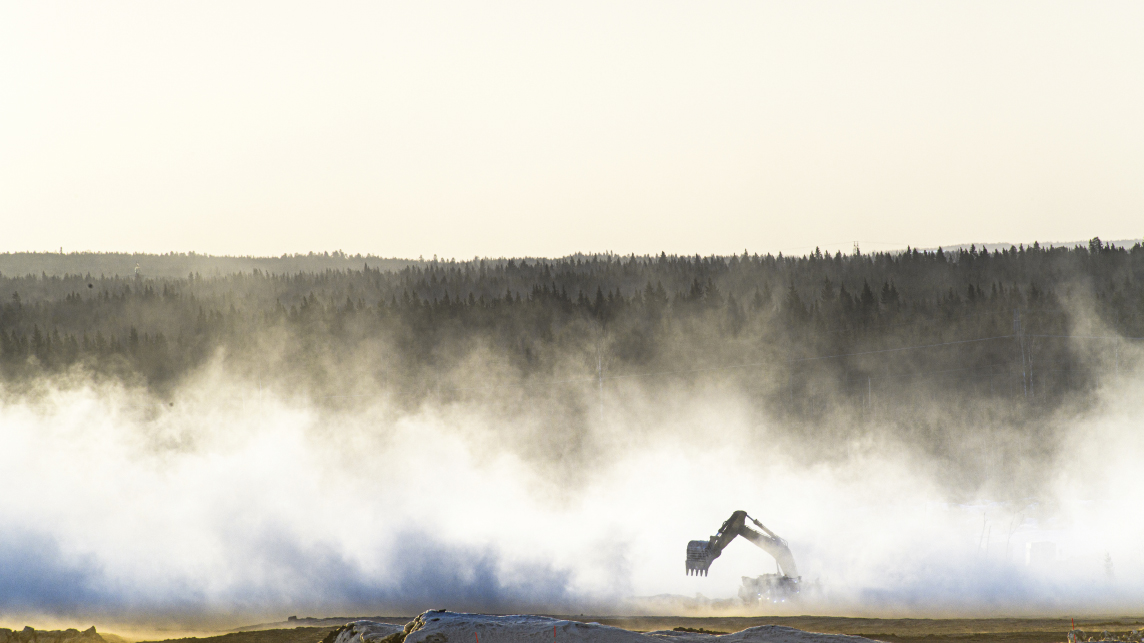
column 796, row 333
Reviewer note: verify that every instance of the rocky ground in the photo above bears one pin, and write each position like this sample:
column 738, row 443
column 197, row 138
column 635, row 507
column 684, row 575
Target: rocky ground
column 440, row 626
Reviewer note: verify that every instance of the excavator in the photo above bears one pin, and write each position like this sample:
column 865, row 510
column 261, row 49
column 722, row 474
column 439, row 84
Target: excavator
column 768, row 588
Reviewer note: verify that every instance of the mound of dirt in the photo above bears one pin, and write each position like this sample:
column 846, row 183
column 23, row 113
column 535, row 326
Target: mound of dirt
column 366, row 632
column 449, row 627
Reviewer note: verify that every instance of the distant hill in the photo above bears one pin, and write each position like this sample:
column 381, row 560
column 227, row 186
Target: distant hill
column 1005, row 245
column 176, row 265
column 179, row 265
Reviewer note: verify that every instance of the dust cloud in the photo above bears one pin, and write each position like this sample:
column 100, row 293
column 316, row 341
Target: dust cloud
column 233, row 496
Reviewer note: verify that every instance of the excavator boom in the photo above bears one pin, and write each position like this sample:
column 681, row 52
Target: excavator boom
column 701, row 553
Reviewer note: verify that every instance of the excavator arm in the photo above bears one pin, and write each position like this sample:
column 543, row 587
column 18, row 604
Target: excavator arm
column 701, row 553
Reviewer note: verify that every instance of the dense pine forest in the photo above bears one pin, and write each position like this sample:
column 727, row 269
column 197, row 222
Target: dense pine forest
column 1038, row 327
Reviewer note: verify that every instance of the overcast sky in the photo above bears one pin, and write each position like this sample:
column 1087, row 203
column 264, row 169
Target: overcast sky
column 546, row 128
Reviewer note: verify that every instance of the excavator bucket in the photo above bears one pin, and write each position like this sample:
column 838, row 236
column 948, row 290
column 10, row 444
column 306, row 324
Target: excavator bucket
column 698, row 557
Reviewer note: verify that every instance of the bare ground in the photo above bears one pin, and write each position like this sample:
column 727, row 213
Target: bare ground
column 906, row 630
column 900, row 630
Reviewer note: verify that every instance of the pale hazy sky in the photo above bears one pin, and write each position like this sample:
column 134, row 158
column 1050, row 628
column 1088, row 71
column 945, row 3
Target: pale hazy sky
column 545, row 128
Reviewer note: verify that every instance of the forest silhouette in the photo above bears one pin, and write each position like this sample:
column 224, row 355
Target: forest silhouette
column 1035, row 326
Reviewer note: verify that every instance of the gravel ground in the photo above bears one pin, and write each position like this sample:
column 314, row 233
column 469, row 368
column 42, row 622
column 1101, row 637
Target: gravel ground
column 993, row 630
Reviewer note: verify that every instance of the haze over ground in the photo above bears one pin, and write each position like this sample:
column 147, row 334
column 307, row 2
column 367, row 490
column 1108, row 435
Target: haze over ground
column 231, row 444
column 492, row 436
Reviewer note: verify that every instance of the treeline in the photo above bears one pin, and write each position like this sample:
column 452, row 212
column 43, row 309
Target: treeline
column 795, row 333
column 178, row 264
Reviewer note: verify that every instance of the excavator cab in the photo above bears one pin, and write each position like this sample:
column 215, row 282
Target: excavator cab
column 770, row 588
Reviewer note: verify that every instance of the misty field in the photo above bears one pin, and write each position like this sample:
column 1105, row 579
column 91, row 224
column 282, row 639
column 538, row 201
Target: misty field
column 934, row 433
column 648, row 322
